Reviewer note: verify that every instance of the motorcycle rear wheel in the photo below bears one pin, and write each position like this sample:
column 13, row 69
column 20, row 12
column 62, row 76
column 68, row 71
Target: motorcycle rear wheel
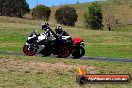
column 64, row 52
column 78, row 52
column 29, row 52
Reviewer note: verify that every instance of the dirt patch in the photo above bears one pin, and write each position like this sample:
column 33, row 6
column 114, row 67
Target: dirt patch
column 39, row 67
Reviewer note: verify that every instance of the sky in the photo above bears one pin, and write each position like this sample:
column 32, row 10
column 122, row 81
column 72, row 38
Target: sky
column 33, row 3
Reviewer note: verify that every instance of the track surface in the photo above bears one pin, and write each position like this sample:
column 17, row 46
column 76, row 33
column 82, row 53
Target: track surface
column 82, row 58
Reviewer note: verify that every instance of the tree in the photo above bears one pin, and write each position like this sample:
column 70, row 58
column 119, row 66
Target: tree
column 66, row 15
column 14, row 8
column 23, row 8
column 41, row 12
column 109, row 19
column 93, row 18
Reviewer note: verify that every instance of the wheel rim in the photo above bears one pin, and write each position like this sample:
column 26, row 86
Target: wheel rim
column 78, row 52
column 64, row 52
column 29, row 52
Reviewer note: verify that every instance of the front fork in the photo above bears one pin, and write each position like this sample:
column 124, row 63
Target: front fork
column 39, row 48
column 77, row 45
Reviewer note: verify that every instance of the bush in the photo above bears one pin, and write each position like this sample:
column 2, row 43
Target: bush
column 94, row 18
column 41, row 12
column 13, row 8
column 66, row 15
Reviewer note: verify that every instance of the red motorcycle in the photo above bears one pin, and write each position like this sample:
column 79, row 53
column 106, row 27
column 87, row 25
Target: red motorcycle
column 69, row 46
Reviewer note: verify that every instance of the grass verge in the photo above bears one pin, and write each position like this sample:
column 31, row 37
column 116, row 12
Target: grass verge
column 115, row 44
column 47, row 72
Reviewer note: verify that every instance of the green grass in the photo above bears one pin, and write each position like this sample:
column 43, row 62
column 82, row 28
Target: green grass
column 23, row 71
column 117, row 51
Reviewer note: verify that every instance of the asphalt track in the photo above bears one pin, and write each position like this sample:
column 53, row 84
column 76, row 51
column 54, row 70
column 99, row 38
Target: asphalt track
column 82, row 58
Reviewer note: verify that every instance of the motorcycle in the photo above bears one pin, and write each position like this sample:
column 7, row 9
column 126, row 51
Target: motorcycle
column 62, row 46
column 78, row 48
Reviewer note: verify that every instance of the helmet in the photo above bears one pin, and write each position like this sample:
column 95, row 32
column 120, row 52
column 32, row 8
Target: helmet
column 58, row 29
column 45, row 26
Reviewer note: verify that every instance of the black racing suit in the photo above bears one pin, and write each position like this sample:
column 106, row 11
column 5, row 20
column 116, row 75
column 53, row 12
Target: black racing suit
column 63, row 33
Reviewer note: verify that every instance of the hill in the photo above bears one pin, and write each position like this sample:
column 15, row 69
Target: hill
column 120, row 9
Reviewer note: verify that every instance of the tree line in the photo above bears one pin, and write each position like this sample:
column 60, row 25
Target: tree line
column 65, row 15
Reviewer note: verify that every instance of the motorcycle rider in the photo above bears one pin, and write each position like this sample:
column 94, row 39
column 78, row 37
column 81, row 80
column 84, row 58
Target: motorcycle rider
column 49, row 33
column 60, row 32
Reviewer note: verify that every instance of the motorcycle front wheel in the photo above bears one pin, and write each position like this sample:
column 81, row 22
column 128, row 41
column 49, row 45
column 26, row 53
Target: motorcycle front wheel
column 78, row 52
column 29, row 51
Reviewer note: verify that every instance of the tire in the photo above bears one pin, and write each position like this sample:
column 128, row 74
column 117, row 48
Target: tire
column 30, row 52
column 46, row 52
column 78, row 52
column 64, row 52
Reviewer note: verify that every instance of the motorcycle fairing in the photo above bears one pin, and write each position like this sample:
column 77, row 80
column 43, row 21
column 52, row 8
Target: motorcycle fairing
column 65, row 37
column 41, row 37
column 77, row 40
